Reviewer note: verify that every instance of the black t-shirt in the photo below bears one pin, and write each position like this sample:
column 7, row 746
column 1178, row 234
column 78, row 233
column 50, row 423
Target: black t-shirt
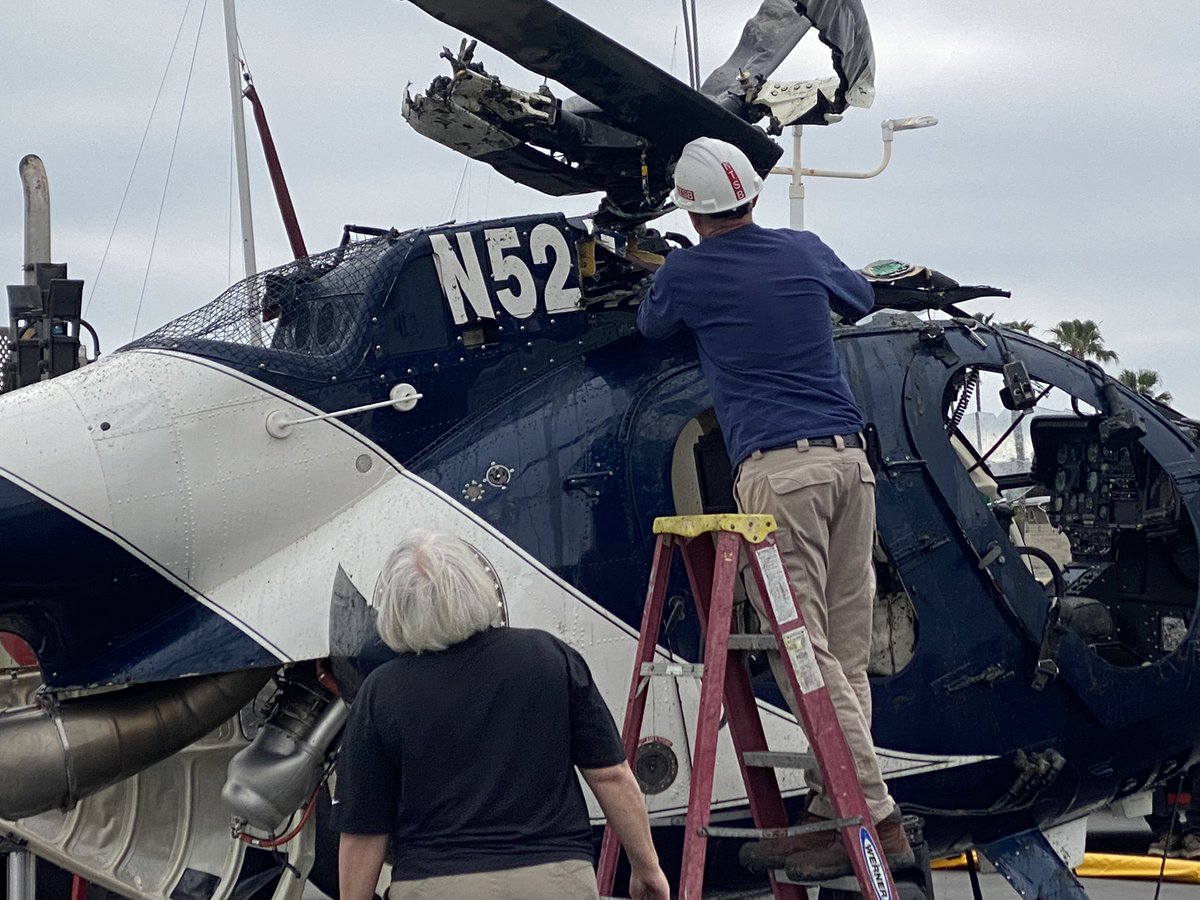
column 466, row 757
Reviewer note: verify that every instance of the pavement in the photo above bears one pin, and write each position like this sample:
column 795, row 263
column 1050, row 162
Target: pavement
column 1106, row 834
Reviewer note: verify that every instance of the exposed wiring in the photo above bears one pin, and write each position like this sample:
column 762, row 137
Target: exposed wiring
column 137, row 158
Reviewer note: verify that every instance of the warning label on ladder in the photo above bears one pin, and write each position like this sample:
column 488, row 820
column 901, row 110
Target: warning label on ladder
column 778, row 591
column 804, row 661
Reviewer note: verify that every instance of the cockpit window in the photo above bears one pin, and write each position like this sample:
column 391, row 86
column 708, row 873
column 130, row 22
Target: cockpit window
column 307, row 319
column 1091, row 511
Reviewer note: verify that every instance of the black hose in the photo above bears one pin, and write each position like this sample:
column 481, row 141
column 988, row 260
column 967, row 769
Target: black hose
column 1060, row 587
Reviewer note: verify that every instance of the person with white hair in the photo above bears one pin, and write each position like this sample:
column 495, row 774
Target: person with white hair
column 461, row 751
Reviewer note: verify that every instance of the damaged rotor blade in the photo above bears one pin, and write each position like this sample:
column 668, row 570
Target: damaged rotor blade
column 770, row 36
column 636, row 96
column 525, row 136
column 844, row 29
column 767, row 39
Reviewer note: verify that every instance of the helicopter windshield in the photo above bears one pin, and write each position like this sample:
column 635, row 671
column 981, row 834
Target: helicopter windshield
column 1103, row 519
column 306, row 319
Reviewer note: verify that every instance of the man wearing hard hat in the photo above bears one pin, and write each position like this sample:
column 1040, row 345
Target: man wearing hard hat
column 758, row 301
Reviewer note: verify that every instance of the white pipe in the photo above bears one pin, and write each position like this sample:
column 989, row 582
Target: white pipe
column 830, row 173
column 37, row 215
column 239, row 140
column 796, row 188
column 22, row 875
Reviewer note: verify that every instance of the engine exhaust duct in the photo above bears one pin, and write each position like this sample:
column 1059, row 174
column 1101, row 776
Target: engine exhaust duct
column 71, row 749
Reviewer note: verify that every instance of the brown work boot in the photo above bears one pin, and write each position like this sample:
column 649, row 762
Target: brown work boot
column 774, row 852
column 832, row 860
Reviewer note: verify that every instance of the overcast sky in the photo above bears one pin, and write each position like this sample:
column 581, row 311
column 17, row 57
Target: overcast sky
column 1064, row 167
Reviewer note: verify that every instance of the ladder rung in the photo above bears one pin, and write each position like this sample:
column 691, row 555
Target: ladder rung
column 844, row 883
column 765, row 833
column 752, row 642
column 773, row 759
column 678, row 670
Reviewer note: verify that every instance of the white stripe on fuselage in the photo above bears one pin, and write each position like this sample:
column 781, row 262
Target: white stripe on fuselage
column 168, row 454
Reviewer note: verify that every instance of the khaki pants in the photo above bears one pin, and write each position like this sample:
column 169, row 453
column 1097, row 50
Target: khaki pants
column 823, row 500
column 573, row 879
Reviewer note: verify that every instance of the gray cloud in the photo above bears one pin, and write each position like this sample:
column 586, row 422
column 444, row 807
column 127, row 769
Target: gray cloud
column 1062, row 168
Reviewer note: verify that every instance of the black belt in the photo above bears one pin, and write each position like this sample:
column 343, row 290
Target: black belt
column 848, row 440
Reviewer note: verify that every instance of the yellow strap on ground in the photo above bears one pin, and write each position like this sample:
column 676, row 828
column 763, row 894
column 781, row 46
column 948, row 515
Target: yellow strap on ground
column 1113, row 865
column 752, row 528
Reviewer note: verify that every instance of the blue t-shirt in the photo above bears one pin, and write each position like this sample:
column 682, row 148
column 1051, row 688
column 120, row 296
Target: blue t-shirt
column 759, row 300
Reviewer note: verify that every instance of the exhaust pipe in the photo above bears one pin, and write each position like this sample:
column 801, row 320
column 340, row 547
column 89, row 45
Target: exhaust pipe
column 37, row 215
column 56, row 756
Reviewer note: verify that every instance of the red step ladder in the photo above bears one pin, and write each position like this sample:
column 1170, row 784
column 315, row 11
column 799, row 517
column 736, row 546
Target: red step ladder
column 712, row 572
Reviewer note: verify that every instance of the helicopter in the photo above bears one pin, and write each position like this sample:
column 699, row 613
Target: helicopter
column 229, row 484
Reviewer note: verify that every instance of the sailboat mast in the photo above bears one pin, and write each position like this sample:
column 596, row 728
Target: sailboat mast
column 239, row 140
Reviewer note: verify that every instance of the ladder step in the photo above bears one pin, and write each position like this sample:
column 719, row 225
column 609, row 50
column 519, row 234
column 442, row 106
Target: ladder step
column 844, row 883
column 678, row 670
column 772, row 759
column 765, row 833
column 752, row 642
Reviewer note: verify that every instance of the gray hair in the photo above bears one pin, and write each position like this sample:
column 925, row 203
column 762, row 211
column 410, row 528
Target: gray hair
column 434, row 591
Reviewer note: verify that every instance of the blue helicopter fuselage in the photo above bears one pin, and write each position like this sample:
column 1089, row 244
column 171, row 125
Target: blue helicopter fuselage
column 545, row 414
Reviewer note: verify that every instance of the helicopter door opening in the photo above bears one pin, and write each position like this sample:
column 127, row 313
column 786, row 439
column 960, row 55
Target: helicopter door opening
column 702, row 483
column 1103, row 519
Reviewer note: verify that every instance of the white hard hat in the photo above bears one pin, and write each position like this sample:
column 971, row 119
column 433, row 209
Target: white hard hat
column 713, row 176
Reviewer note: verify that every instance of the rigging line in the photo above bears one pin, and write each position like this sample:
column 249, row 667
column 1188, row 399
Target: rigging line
column 674, row 50
column 458, row 193
column 229, row 231
column 687, row 37
column 696, row 42
column 170, row 165
column 137, row 158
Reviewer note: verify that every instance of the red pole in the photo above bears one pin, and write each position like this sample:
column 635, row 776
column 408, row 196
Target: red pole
column 79, row 888
column 282, row 196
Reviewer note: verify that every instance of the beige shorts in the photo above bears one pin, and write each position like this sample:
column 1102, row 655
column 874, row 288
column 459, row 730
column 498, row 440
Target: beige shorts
column 572, row 879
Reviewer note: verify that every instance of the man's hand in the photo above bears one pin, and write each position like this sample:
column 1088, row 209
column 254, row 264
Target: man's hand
column 649, row 885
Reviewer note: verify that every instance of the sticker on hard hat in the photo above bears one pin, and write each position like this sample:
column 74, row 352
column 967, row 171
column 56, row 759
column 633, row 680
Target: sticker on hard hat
column 685, row 193
column 739, row 193
column 875, row 869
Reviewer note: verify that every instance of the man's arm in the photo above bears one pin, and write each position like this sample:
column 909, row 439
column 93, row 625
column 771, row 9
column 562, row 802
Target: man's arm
column 621, row 799
column 360, row 858
column 657, row 317
column 850, row 293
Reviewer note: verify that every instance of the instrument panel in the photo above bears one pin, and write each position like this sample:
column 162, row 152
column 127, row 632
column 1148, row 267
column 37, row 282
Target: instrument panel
column 1098, row 491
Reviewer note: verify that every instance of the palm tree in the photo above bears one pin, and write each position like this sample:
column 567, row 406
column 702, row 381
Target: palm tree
column 1144, row 381
column 1082, row 340
column 1025, row 326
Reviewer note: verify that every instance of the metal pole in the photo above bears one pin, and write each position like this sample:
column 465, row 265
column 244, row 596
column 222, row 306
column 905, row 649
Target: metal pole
column 796, row 188
column 37, row 215
column 22, row 875
column 239, row 140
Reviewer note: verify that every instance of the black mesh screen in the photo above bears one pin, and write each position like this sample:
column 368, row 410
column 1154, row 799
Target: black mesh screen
column 307, row 318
